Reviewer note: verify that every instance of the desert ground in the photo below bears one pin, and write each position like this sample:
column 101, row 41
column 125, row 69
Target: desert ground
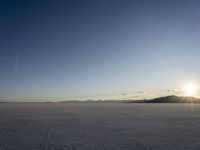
column 99, row 126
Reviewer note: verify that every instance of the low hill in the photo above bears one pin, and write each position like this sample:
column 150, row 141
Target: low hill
column 174, row 99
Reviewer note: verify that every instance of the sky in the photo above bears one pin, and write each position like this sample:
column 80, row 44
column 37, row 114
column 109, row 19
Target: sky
column 97, row 49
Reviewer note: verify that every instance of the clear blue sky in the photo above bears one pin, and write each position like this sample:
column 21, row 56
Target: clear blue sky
column 112, row 49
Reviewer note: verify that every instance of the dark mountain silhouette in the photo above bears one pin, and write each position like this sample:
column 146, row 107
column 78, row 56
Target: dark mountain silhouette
column 173, row 99
column 166, row 99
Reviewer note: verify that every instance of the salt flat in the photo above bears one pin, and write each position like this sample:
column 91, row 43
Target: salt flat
column 99, row 126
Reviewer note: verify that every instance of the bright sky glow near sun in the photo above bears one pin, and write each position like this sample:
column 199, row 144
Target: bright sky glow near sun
column 116, row 49
column 191, row 89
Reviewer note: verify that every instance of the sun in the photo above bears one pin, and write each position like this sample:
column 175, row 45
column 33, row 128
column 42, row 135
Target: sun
column 190, row 89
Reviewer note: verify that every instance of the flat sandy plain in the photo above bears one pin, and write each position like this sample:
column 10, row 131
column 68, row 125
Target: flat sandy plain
column 99, row 126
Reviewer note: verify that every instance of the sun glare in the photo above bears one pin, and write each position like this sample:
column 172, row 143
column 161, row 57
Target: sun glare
column 190, row 89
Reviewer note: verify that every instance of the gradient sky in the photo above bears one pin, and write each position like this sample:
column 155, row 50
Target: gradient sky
column 105, row 49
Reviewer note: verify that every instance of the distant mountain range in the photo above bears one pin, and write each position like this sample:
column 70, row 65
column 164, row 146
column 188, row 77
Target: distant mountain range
column 97, row 101
column 166, row 99
column 172, row 99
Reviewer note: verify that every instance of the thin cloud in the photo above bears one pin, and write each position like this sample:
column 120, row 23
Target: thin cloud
column 169, row 91
column 140, row 92
column 134, row 96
